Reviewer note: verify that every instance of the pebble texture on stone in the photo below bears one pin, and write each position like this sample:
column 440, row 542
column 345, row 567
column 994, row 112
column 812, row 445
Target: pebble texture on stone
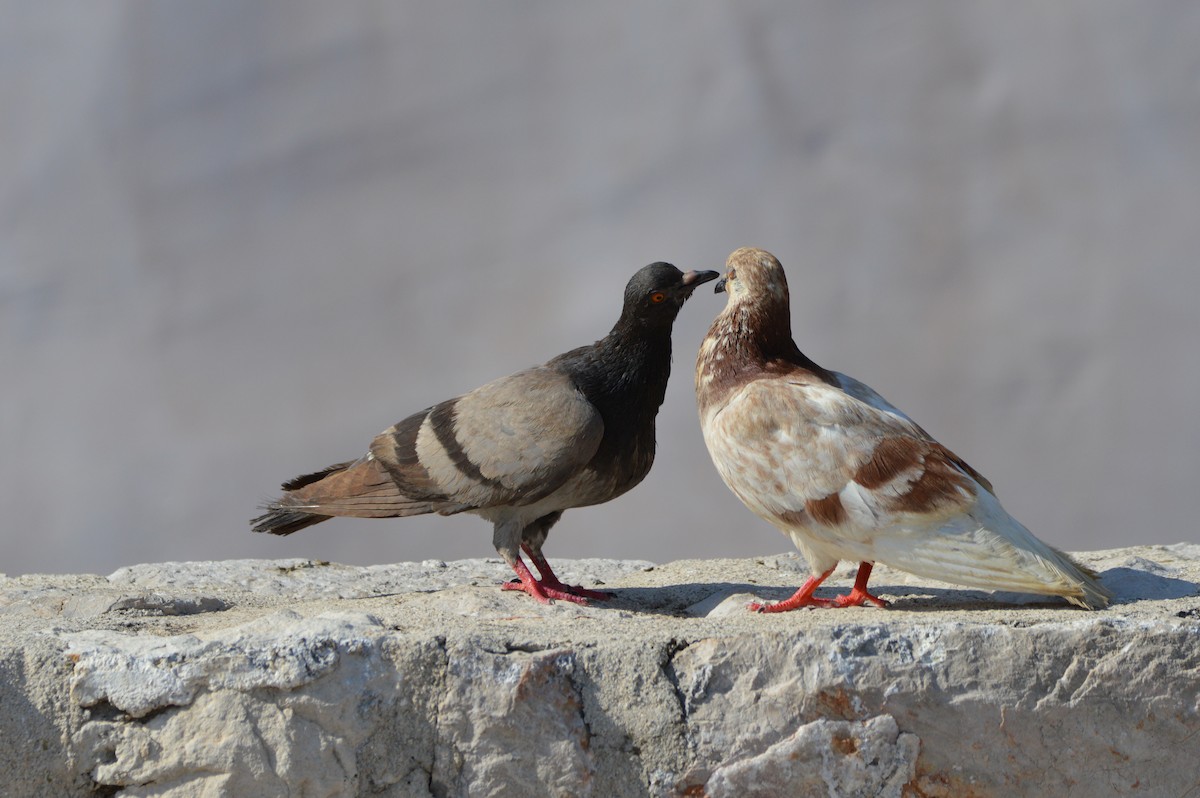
column 302, row 678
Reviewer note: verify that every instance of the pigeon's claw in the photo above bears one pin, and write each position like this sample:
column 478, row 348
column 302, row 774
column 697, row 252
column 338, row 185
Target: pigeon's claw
column 543, row 593
column 802, row 598
column 858, row 598
column 552, row 582
column 526, row 583
column 793, row 603
column 858, row 595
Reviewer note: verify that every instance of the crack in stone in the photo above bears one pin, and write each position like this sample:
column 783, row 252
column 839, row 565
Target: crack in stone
column 667, row 664
column 440, row 676
column 577, row 687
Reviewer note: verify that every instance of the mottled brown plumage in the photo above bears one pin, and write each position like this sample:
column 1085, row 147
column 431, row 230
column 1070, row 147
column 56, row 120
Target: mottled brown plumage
column 844, row 473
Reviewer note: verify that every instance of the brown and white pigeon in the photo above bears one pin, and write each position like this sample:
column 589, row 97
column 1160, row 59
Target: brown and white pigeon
column 844, row 473
column 518, row 451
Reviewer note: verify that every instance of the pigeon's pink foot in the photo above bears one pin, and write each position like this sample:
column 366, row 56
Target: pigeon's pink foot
column 858, row 595
column 539, row 590
column 802, row 598
column 543, row 593
column 857, row 598
column 551, row 582
column 794, row 603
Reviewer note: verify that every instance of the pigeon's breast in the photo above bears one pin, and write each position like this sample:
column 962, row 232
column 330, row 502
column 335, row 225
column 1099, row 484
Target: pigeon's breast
column 774, row 443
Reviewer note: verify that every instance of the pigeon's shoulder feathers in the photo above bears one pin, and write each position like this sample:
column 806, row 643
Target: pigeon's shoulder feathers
column 868, row 395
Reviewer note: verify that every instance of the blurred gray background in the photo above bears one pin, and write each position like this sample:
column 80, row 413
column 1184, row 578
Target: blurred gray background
column 239, row 239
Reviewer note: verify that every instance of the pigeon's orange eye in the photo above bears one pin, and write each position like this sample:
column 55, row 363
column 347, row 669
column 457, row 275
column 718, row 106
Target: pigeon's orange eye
column 657, row 297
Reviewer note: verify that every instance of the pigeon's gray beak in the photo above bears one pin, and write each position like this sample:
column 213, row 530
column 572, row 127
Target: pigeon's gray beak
column 719, row 288
column 695, row 278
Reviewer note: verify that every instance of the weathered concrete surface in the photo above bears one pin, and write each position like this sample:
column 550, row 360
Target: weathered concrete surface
column 299, row 678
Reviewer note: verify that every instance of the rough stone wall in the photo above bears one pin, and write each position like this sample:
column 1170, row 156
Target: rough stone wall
column 300, row 678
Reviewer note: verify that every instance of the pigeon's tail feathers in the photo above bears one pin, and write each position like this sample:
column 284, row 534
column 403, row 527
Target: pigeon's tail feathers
column 1087, row 591
column 295, row 483
column 282, row 521
column 992, row 550
column 360, row 488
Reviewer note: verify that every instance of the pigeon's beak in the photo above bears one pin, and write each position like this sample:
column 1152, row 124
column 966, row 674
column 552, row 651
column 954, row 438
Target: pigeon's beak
column 719, row 288
column 695, row 278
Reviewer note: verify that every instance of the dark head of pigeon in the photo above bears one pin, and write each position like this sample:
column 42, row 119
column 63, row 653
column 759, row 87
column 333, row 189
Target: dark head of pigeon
column 656, row 293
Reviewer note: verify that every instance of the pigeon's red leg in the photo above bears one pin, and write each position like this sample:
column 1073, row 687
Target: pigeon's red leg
column 527, row 584
column 858, row 596
column 802, row 598
column 543, row 593
column 549, row 580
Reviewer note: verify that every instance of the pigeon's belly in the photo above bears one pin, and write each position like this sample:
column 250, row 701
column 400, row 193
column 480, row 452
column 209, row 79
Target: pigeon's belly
column 584, row 489
column 782, row 482
column 621, row 463
column 823, row 546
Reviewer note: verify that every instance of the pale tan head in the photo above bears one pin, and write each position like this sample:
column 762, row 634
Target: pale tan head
column 753, row 275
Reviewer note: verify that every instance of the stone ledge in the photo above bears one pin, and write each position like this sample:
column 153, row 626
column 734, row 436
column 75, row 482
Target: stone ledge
column 248, row 678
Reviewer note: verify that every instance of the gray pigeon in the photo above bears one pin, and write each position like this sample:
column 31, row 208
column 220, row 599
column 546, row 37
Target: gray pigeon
column 844, row 473
column 518, row 451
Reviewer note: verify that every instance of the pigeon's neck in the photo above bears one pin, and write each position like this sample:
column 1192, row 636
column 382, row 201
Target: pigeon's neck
column 744, row 343
column 635, row 364
column 761, row 334
column 624, row 376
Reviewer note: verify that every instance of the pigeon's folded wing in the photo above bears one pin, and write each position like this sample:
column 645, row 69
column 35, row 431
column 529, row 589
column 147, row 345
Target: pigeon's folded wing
column 510, row 442
column 797, row 450
column 868, row 395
